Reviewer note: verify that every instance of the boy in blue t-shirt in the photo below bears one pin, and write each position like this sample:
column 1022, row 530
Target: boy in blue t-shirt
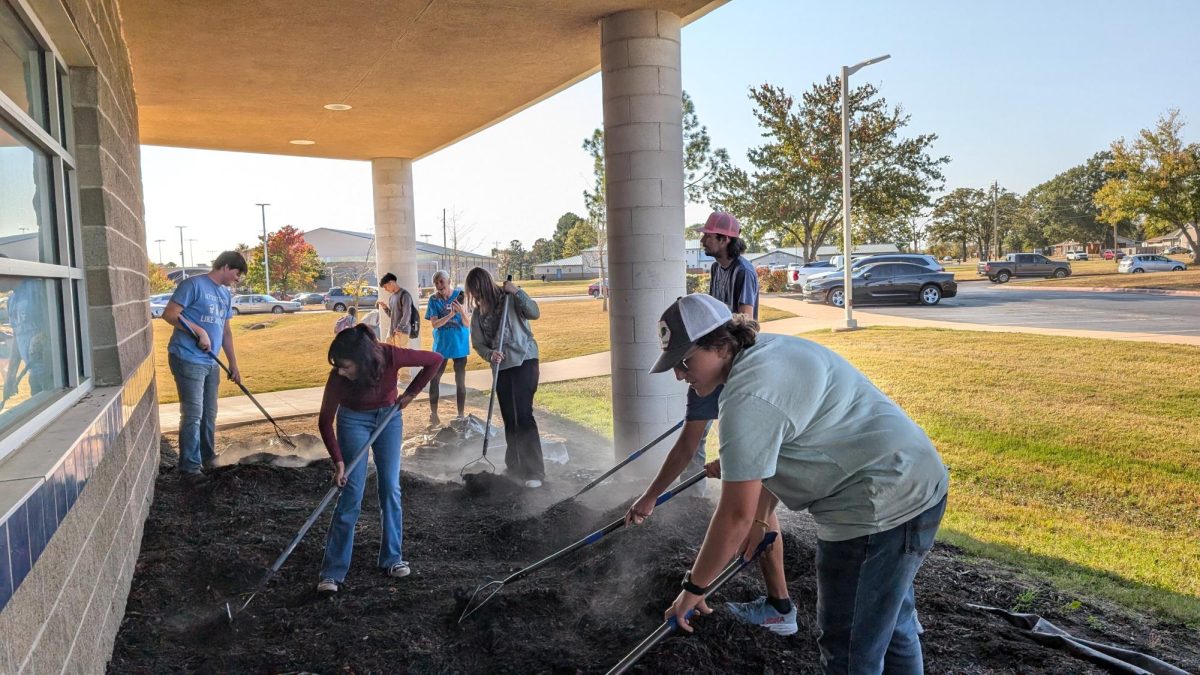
column 201, row 304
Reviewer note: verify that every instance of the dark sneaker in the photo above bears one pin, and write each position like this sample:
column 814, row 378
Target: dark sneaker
column 759, row 613
column 327, row 586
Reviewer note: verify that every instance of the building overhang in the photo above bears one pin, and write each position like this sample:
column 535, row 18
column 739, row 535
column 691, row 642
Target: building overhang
column 418, row 74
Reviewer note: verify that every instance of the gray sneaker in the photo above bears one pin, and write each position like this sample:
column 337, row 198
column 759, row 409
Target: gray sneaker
column 327, row 586
column 759, row 613
column 400, row 569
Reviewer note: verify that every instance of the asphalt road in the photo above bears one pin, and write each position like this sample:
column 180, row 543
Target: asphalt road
column 980, row 302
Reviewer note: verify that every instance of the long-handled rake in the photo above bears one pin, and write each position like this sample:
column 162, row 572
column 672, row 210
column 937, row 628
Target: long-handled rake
column 670, row 625
column 491, row 588
column 312, row 518
column 279, row 432
column 487, row 430
column 632, row 456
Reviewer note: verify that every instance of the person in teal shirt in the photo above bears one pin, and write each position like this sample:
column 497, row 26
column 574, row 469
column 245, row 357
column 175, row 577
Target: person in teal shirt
column 451, row 339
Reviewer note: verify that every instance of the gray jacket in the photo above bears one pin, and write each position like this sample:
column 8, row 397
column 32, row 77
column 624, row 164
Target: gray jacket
column 519, row 344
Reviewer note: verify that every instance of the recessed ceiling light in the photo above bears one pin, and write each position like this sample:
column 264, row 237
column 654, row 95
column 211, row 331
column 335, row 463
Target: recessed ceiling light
column 338, row 106
column 302, row 141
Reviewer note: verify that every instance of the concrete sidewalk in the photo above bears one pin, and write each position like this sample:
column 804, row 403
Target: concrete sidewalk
column 237, row 410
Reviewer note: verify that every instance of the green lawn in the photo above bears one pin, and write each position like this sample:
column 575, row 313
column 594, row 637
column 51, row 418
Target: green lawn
column 1061, row 462
column 1188, row 280
column 287, row 351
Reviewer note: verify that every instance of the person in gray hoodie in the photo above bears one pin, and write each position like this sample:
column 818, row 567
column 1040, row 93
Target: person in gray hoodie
column 517, row 381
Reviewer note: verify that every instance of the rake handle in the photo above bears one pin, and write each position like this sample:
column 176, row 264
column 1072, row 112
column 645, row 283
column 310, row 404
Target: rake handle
column 495, row 374
column 634, row 455
column 670, row 625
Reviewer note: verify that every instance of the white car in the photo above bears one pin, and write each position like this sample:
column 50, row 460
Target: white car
column 262, row 304
column 798, row 273
column 1149, row 262
column 158, row 305
column 1077, row 255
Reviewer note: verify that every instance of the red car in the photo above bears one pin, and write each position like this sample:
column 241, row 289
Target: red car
column 1110, row 254
column 594, row 289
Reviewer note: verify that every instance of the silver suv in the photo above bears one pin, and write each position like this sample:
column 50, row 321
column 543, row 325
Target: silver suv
column 337, row 299
column 918, row 258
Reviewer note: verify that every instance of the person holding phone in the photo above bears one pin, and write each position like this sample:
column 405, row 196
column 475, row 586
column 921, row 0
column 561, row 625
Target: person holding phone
column 451, row 339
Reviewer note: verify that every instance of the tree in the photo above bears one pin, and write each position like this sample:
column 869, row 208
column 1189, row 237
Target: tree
column 794, row 193
column 294, row 262
column 1156, row 178
column 542, row 250
column 963, row 216
column 566, row 222
column 1065, row 208
column 515, row 260
column 159, row 282
column 582, row 236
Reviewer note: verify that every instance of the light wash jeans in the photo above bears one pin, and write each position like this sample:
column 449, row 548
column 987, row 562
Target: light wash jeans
column 197, row 384
column 353, row 429
column 865, row 608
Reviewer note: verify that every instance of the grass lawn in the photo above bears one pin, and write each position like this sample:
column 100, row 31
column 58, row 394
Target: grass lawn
column 288, row 351
column 1077, row 472
column 1083, row 268
column 537, row 289
column 1180, row 281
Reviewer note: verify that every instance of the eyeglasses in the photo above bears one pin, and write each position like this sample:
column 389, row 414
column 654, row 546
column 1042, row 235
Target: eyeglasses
column 683, row 365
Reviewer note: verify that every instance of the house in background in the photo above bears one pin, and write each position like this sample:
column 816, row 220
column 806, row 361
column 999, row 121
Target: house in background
column 1060, row 249
column 1170, row 239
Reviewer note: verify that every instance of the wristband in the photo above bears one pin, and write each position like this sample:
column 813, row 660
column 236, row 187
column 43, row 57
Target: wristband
column 765, row 524
column 688, row 586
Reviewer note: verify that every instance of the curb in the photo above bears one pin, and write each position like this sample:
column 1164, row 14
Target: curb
column 1102, row 289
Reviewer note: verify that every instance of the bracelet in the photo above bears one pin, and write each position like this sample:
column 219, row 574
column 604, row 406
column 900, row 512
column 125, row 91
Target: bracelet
column 690, row 587
column 765, row 524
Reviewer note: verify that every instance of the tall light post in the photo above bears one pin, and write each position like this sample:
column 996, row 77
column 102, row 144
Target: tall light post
column 847, row 282
column 266, row 257
column 192, row 250
column 182, row 260
column 160, row 243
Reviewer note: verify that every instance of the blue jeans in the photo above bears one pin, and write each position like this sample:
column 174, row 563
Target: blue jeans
column 865, row 608
column 353, row 429
column 197, row 384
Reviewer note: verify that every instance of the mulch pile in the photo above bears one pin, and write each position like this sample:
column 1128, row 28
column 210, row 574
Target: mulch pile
column 208, row 544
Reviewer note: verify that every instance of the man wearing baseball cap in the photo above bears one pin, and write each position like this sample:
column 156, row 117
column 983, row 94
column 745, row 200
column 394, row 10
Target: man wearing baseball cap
column 800, row 425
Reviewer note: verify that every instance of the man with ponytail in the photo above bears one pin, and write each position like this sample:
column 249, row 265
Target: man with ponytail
column 802, row 426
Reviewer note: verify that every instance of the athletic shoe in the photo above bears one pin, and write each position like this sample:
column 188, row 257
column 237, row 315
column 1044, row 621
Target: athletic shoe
column 533, row 483
column 327, row 586
column 400, row 569
column 759, row 613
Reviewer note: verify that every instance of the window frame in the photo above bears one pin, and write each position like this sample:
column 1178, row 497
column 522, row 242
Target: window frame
column 67, row 269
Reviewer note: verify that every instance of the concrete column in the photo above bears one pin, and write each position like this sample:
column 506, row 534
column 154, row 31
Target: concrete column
column 643, row 156
column 395, row 224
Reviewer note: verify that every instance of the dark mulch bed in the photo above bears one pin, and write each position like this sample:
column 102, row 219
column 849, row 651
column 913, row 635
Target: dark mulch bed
column 204, row 545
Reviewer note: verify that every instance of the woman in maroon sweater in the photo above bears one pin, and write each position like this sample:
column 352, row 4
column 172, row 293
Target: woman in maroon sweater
column 360, row 390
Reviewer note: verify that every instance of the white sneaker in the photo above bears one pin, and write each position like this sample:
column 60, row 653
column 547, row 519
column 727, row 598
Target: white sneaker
column 327, row 586
column 533, row 483
column 400, row 569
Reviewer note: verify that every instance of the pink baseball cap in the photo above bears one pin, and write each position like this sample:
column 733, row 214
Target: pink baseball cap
column 722, row 223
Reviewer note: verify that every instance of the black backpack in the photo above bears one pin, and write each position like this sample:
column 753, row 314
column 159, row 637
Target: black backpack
column 414, row 319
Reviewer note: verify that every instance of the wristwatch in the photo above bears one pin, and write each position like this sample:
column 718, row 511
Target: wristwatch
column 688, row 586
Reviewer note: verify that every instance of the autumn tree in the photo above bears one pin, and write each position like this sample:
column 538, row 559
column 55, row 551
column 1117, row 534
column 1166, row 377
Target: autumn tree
column 1156, row 179
column 294, row 264
column 794, row 193
column 159, row 282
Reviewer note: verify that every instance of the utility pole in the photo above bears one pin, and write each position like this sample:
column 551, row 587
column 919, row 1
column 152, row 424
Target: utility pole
column 995, row 222
column 266, row 257
column 182, row 260
column 445, row 250
column 160, row 243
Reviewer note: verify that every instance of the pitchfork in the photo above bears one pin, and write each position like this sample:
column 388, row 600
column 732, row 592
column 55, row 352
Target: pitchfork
column 632, row 456
column 487, row 430
column 491, row 588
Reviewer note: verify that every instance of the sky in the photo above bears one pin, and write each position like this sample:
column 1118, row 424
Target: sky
column 1017, row 91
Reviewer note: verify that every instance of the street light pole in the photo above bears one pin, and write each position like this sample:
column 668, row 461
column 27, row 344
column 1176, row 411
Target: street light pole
column 182, row 260
column 266, row 256
column 160, row 243
column 192, row 250
column 847, row 283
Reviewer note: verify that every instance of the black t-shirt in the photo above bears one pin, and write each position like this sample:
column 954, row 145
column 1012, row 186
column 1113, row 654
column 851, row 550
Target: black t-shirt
column 702, row 407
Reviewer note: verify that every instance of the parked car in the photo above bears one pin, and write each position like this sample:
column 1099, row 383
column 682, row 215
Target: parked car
column 263, row 304
column 1023, row 265
column 798, row 273
column 337, row 299
column 1178, row 250
column 1077, row 255
column 309, row 298
column 885, row 282
column 594, row 288
column 1110, row 254
column 915, row 258
column 1149, row 262
column 158, row 304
